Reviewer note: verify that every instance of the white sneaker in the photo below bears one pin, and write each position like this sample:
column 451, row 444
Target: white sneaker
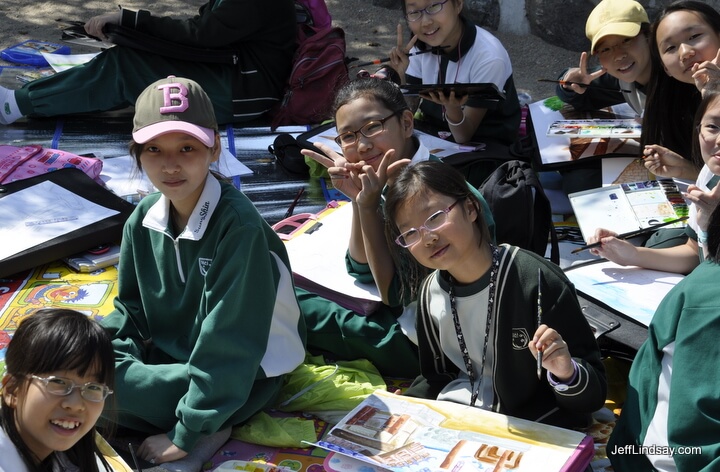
column 9, row 111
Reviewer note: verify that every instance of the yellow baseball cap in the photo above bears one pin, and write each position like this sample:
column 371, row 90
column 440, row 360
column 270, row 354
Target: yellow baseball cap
column 614, row 17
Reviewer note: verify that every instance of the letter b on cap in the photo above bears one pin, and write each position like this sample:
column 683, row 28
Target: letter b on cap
column 169, row 96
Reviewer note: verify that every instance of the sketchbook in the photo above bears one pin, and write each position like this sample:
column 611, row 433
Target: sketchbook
column 628, row 207
column 398, row 433
column 617, row 128
column 54, row 215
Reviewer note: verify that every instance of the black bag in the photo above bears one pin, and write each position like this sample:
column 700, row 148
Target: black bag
column 521, row 209
column 286, row 150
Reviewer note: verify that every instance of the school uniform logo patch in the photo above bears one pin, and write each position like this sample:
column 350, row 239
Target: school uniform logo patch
column 520, row 339
column 204, row 264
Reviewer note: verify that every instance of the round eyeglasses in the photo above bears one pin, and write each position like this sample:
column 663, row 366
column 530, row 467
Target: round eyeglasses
column 91, row 391
column 434, row 222
column 369, row 129
column 430, row 10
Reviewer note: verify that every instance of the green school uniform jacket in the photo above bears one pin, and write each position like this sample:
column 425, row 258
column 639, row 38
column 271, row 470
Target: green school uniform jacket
column 673, row 396
column 206, row 322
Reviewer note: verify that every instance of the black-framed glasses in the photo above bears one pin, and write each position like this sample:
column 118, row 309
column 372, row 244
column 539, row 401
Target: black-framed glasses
column 91, row 391
column 369, row 129
column 434, row 222
column 432, row 9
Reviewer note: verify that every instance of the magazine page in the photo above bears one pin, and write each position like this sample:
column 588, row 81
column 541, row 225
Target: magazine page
column 400, row 433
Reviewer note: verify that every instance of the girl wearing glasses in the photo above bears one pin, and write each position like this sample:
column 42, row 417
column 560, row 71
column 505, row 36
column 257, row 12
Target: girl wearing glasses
column 704, row 195
column 485, row 311
column 461, row 53
column 59, row 369
column 375, row 129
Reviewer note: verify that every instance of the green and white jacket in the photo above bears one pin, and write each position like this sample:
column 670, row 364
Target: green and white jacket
column 673, row 396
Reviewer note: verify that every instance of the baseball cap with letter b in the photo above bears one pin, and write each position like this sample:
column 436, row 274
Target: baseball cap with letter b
column 614, row 17
column 174, row 105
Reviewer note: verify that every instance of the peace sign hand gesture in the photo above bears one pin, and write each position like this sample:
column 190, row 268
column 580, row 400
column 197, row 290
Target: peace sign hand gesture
column 373, row 182
column 345, row 175
column 399, row 59
column 580, row 75
column 706, row 72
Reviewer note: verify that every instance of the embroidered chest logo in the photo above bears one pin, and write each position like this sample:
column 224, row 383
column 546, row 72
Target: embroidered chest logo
column 520, row 339
column 204, row 264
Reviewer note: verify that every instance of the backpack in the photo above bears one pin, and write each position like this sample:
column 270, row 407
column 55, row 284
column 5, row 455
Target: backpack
column 319, row 68
column 520, row 208
column 313, row 13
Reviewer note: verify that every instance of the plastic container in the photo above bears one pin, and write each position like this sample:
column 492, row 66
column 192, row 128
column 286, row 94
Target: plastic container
column 30, row 52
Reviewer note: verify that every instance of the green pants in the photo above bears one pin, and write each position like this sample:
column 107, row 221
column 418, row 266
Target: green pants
column 114, row 79
column 342, row 334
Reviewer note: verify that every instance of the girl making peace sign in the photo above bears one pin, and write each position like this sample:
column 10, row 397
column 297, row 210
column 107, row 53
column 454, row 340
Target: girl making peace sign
column 461, row 53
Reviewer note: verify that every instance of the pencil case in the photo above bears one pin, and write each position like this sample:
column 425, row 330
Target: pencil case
column 30, row 52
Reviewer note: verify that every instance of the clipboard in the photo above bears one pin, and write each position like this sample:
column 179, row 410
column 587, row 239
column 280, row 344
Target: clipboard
column 487, row 91
column 93, row 235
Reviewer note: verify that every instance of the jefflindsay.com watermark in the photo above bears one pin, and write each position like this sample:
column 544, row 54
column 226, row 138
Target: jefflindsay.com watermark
column 652, row 450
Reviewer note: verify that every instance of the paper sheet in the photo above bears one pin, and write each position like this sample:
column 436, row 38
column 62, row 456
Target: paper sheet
column 320, row 256
column 41, row 213
column 61, row 62
column 632, row 291
column 403, row 434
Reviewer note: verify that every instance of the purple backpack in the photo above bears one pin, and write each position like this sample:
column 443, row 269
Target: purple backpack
column 316, row 13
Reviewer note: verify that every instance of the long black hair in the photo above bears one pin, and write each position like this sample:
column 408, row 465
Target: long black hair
column 414, row 182
column 50, row 340
column 713, row 231
column 671, row 105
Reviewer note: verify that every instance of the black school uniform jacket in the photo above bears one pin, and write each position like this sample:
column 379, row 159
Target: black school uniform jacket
column 517, row 390
column 261, row 33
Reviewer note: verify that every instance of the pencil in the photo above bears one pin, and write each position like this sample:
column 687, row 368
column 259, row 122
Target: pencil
column 539, row 322
column 592, row 86
column 632, row 234
column 387, row 59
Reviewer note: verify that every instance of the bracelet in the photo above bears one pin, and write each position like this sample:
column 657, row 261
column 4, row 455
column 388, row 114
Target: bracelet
column 563, row 386
column 702, row 236
column 452, row 123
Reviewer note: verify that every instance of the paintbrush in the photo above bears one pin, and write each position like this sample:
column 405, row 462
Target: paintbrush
column 632, row 234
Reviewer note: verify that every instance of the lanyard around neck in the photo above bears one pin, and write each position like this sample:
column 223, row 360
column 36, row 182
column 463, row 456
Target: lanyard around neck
column 458, row 329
